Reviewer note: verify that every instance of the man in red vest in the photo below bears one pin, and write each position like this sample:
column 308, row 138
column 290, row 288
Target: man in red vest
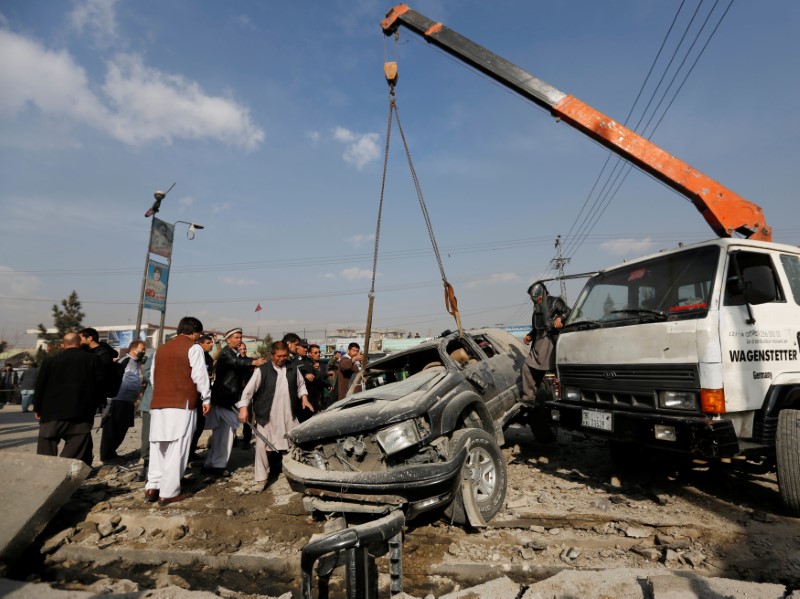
column 180, row 379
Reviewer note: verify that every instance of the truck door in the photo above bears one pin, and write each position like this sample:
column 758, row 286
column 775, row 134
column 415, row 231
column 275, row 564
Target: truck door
column 758, row 327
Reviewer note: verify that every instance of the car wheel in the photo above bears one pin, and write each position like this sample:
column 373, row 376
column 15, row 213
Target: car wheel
column 787, row 450
column 485, row 467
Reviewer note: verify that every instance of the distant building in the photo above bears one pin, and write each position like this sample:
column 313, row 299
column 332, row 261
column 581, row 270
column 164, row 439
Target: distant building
column 121, row 336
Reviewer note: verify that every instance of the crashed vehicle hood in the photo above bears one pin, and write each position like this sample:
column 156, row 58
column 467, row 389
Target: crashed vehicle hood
column 374, row 408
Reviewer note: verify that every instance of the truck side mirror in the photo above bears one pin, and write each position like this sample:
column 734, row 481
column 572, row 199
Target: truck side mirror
column 760, row 284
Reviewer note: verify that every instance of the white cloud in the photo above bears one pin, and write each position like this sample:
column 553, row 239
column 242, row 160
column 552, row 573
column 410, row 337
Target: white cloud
column 98, row 17
column 186, row 201
column 13, row 283
column 497, row 278
column 50, row 81
column 314, row 136
column 216, row 208
column 628, row 247
column 360, row 239
column 356, row 274
column 328, row 275
column 154, row 105
column 361, row 148
column 238, row 282
column 140, row 104
column 244, row 21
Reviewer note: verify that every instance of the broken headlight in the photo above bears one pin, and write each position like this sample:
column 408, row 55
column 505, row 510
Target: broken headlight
column 398, row 437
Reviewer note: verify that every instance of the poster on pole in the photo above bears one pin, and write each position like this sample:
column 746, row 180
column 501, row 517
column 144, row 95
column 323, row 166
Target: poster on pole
column 161, row 235
column 155, row 290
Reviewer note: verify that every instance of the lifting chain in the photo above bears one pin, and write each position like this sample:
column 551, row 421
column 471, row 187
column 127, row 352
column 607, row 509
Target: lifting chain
column 450, row 301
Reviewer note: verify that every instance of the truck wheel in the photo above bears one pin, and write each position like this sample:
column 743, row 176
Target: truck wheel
column 485, row 467
column 628, row 457
column 787, row 450
column 540, row 427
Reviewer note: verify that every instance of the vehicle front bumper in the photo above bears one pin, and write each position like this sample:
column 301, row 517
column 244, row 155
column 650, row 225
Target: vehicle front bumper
column 695, row 435
column 414, row 488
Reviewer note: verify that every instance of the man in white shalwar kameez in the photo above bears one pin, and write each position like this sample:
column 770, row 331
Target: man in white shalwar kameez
column 277, row 394
column 180, row 379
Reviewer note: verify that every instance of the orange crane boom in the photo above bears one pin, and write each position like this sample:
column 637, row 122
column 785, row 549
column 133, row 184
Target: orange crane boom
column 725, row 211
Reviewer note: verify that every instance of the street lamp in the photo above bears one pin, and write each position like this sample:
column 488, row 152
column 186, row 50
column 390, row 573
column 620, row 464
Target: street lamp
column 193, row 228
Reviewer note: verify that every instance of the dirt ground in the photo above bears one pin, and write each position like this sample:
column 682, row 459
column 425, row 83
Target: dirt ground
column 567, row 506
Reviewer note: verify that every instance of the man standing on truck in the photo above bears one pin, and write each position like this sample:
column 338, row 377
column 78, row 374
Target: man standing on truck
column 549, row 314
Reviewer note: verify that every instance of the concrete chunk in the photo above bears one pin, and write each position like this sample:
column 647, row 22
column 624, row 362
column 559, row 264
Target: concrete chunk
column 500, row 588
column 685, row 585
column 34, row 488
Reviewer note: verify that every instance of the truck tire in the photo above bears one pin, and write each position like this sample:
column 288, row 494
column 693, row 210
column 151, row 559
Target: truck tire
column 787, row 450
column 540, row 426
column 628, row 457
column 485, row 466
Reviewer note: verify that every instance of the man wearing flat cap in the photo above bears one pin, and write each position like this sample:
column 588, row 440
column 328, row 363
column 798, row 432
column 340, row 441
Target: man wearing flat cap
column 227, row 390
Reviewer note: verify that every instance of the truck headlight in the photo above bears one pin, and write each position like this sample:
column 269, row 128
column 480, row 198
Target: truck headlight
column 396, row 438
column 677, row 400
column 571, row 393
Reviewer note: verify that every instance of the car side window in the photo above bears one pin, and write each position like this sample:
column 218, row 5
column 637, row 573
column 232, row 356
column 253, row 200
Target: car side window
column 462, row 353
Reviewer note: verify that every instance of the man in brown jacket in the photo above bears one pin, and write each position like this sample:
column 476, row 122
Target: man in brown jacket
column 349, row 364
column 180, row 379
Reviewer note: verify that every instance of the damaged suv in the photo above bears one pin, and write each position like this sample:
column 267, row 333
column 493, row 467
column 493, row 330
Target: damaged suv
column 418, row 430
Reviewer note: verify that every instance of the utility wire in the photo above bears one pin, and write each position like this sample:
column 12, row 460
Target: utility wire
column 622, row 173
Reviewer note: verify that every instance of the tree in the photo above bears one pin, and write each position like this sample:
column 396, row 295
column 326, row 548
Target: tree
column 263, row 349
column 67, row 319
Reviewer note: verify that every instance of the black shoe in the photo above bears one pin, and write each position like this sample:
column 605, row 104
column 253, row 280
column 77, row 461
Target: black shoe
column 222, row 472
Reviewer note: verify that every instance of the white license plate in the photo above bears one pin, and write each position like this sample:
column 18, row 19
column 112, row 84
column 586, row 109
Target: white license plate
column 596, row 419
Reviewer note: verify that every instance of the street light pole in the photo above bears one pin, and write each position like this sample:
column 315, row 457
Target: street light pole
column 137, row 334
column 193, row 227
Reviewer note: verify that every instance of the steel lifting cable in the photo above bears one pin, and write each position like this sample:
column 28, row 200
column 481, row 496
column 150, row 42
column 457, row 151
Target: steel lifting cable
column 450, row 301
column 368, row 330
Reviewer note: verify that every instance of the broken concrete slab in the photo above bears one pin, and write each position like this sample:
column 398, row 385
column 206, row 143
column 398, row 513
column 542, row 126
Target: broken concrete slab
column 684, row 584
column 35, row 487
column 499, row 588
column 621, row 583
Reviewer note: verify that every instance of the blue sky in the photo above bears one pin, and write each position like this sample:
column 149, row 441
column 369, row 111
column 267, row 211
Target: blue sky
column 271, row 118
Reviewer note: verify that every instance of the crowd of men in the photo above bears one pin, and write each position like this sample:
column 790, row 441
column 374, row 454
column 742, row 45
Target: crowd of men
column 192, row 383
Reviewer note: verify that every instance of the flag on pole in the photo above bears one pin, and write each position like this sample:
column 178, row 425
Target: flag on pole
column 258, row 308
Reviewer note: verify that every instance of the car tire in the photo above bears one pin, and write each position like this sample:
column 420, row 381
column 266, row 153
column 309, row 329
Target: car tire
column 787, row 451
column 485, row 466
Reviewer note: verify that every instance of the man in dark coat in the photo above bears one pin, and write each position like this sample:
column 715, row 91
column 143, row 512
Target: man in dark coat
column 227, row 390
column 549, row 314
column 90, row 342
column 68, row 393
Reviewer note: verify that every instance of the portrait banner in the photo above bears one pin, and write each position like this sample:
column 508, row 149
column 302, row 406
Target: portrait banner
column 161, row 234
column 155, row 290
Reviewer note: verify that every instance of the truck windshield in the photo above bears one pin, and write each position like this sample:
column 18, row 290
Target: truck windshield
column 674, row 286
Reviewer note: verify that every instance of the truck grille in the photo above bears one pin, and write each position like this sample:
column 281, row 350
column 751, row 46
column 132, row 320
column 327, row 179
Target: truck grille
column 626, row 385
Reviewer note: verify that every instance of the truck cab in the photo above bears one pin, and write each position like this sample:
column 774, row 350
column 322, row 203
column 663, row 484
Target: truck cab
column 693, row 350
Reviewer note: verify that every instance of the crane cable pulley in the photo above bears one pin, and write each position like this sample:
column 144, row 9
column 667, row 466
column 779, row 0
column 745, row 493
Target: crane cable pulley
column 450, row 301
